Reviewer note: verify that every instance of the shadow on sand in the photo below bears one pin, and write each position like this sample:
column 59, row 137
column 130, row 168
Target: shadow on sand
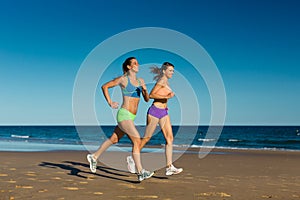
column 73, row 169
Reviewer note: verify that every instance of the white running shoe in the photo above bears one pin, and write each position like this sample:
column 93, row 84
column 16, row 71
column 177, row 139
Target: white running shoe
column 93, row 162
column 173, row 170
column 144, row 174
column 130, row 164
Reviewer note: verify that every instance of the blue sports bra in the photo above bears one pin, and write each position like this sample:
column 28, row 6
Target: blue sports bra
column 131, row 90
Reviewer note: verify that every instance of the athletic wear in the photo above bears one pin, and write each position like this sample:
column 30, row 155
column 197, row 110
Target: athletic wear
column 130, row 164
column 124, row 114
column 173, row 170
column 131, row 90
column 157, row 112
column 93, row 163
column 144, row 175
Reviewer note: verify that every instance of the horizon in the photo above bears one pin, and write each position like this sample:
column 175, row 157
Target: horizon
column 139, row 125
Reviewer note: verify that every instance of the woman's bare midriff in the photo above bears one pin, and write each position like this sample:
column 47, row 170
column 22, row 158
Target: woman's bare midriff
column 160, row 103
column 131, row 104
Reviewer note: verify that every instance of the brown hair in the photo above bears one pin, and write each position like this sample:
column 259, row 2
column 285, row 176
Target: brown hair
column 159, row 71
column 125, row 63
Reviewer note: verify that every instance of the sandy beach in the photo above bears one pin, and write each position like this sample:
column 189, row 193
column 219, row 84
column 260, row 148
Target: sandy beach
column 230, row 174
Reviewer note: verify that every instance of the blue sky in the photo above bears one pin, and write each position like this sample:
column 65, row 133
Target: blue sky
column 255, row 45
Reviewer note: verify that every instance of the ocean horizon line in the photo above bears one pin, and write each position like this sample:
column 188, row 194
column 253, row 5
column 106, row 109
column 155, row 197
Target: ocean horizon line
column 201, row 125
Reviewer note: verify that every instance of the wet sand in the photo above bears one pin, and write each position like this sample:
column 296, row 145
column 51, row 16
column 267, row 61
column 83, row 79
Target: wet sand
column 230, row 174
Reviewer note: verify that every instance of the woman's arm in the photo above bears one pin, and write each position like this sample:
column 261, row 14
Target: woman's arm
column 105, row 87
column 144, row 90
column 154, row 94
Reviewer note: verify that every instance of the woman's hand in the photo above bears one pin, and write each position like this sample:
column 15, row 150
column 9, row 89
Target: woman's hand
column 170, row 95
column 114, row 105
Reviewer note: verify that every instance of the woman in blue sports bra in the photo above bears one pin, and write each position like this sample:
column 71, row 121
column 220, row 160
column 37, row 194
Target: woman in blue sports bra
column 132, row 88
column 158, row 114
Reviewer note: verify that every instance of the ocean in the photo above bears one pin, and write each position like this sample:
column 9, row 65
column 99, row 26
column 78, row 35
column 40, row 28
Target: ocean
column 53, row 138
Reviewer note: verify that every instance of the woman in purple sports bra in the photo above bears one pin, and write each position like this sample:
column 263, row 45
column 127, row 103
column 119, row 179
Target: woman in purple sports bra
column 158, row 114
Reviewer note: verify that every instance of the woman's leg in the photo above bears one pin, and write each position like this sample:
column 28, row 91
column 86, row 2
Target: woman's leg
column 150, row 128
column 166, row 127
column 92, row 158
column 115, row 137
column 129, row 128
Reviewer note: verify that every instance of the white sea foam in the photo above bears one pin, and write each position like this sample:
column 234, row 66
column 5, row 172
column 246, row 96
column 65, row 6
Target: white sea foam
column 19, row 136
column 206, row 139
column 234, row 140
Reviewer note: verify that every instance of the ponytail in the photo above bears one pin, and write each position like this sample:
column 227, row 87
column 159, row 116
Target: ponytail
column 159, row 71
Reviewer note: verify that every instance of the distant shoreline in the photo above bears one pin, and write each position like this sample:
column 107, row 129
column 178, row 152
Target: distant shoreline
column 43, row 147
column 175, row 125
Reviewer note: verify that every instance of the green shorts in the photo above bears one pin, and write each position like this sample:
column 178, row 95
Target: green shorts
column 124, row 114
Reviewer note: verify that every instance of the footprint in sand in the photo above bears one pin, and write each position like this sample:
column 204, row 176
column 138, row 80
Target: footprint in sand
column 220, row 194
column 98, row 193
column 11, row 181
column 2, row 175
column 24, row 186
column 90, row 177
column 71, row 188
column 267, row 196
column 30, row 174
column 56, row 178
column 43, row 181
column 44, row 190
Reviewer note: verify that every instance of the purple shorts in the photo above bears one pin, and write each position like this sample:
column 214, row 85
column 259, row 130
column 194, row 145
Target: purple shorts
column 157, row 112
